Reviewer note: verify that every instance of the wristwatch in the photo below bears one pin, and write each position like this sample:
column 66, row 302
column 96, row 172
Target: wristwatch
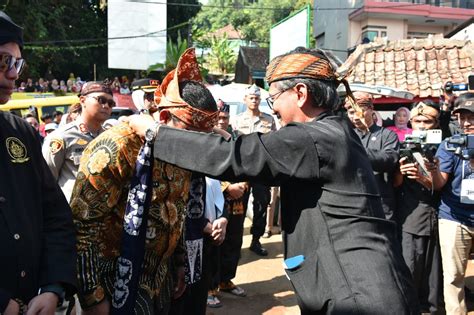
column 56, row 289
column 151, row 132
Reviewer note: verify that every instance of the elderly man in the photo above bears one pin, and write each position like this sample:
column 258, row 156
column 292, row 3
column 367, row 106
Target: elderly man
column 62, row 148
column 341, row 254
column 381, row 145
column 253, row 120
column 37, row 241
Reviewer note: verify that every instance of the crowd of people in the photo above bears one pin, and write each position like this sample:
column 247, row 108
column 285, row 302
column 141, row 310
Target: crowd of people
column 71, row 85
column 146, row 216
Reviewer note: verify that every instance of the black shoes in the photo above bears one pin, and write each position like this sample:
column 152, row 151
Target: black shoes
column 257, row 248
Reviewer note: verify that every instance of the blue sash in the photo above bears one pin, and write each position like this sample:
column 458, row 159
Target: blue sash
column 129, row 263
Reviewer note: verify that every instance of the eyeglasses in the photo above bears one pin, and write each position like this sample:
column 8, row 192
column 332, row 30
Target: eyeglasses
column 272, row 98
column 102, row 100
column 7, row 62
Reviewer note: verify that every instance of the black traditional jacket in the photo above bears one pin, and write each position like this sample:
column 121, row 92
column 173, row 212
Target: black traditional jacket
column 37, row 238
column 331, row 210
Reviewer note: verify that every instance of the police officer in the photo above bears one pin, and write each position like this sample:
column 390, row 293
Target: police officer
column 63, row 148
column 253, row 120
column 143, row 93
column 37, row 238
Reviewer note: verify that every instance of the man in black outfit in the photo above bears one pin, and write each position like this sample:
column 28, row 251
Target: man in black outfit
column 37, row 239
column 341, row 254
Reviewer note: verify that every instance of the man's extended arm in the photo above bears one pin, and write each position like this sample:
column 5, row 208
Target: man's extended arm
column 266, row 158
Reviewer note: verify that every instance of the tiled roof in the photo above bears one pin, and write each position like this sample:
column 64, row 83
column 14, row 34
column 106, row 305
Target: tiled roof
column 420, row 66
column 228, row 30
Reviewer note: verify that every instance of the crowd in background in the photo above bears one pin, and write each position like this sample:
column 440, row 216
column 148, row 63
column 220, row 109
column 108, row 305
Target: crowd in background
column 71, row 85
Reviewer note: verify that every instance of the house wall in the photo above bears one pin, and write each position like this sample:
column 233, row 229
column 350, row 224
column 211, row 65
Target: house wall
column 333, row 24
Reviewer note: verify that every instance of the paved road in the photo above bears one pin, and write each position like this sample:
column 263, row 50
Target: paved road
column 268, row 290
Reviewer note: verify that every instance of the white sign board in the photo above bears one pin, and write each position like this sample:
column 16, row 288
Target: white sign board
column 136, row 34
column 290, row 33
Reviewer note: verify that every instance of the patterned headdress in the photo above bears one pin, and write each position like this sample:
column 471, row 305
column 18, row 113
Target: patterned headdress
column 424, row 110
column 167, row 95
column 306, row 65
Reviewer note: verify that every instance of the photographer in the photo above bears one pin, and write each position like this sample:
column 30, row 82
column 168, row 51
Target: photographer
column 452, row 175
column 416, row 215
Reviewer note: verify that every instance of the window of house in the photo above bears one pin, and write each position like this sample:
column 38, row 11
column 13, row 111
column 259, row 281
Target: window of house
column 411, row 35
column 369, row 36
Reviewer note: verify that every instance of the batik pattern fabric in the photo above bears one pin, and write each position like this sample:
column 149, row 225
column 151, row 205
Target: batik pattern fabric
column 133, row 237
column 98, row 203
column 195, row 223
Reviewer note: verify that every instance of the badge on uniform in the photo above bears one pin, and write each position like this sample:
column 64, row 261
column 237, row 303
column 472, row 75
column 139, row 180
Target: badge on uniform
column 82, row 142
column 55, row 145
column 17, row 150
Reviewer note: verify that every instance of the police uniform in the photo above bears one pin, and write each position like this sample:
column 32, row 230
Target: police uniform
column 37, row 238
column 246, row 123
column 62, row 151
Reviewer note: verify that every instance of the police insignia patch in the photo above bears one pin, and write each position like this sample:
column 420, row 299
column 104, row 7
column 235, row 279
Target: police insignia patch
column 56, row 145
column 17, row 150
column 82, row 142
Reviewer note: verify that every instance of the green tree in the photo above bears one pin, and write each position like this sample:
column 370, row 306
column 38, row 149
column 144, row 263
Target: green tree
column 50, row 25
column 222, row 57
column 173, row 51
column 252, row 19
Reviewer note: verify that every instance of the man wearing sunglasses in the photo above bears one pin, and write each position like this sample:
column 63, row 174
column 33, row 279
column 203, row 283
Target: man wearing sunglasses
column 63, row 148
column 37, row 239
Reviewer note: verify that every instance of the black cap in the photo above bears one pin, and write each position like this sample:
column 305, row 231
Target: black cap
column 9, row 31
column 147, row 85
column 466, row 104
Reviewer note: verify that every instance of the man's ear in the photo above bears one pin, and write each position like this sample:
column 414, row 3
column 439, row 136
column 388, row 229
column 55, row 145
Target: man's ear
column 302, row 93
column 164, row 116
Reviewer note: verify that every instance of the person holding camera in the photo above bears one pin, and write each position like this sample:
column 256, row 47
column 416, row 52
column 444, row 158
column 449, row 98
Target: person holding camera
column 417, row 206
column 454, row 175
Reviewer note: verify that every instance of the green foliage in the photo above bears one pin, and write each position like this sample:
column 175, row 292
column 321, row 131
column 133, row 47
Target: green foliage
column 57, row 22
column 222, row 57
column 254, row 22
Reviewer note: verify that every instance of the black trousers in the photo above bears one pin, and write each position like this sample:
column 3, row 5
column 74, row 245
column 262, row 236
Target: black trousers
column 423, row 258
column 261, row 200
column 194, row 299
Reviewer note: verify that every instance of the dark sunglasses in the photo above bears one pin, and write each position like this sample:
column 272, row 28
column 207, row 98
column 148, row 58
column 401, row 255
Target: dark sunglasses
column 102, row 100
column 7, row 62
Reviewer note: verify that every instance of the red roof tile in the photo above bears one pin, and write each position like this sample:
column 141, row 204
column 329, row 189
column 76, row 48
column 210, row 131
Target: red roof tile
column 421, row 66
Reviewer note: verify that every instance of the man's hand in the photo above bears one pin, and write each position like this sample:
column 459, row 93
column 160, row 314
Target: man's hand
column 43, row 304
column 99, row 309
column 180, row 284
column 219, row 227
column 140, row 123
column 236, row 191
column 13, row 308
column 208, row 229
column 410, row 170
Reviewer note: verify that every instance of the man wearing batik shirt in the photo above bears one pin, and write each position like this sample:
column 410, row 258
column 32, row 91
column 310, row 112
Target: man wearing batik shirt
column 100, row 195
column 382, row 147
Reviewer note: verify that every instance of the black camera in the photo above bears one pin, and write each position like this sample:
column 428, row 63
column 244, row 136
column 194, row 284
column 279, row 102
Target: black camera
column 462, row 145
column 421, row 144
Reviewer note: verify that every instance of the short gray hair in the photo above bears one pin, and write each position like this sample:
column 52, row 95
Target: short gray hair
column 322, row 92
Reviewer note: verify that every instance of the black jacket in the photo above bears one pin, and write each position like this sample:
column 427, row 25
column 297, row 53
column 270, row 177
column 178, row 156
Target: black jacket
column 331, row 210
column 37, row 236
